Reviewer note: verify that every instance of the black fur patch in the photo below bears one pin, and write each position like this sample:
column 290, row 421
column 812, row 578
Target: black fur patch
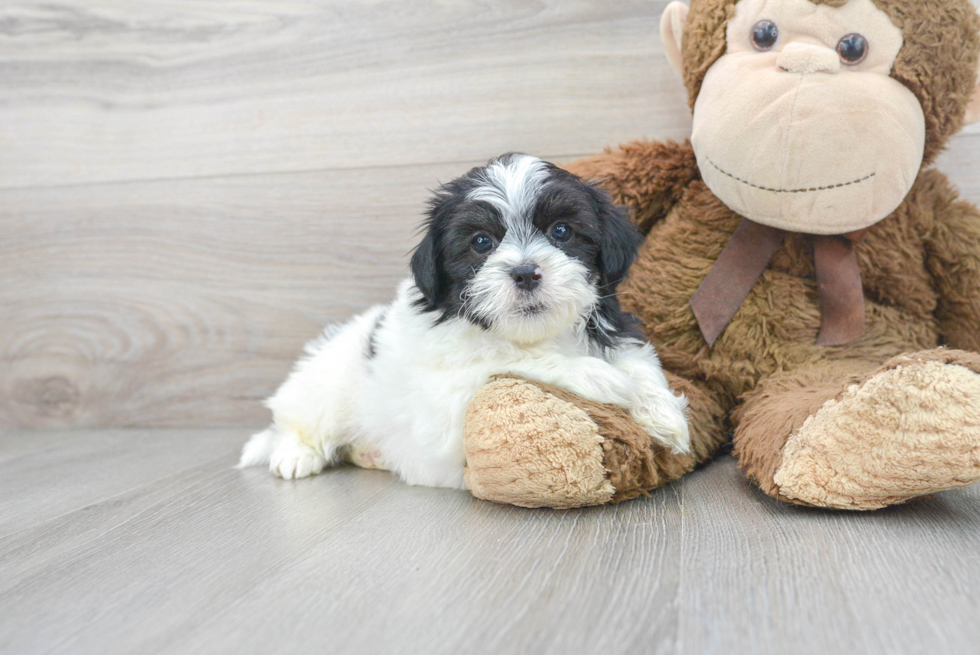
column 444, row 262
column 372, row 344
column 604, row 241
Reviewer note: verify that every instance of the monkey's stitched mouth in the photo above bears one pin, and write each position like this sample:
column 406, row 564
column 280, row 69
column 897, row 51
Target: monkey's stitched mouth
column 804, row 190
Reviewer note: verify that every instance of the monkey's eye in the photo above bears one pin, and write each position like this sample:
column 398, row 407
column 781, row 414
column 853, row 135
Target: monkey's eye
column 561, row 233
column 481, row 244
column 764, row 35
column 853, row 49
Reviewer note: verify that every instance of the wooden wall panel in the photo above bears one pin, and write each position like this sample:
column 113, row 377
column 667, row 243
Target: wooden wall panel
column 102, row 90
column 191, row 190
column 184, row 302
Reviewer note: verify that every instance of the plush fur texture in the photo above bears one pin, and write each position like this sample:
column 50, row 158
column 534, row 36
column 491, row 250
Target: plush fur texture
column 535, row 445
column 807, row 420
column 922, row 416
column 922, row 289
column 794, row 138
column 536, row 449
column 937, row 62
column 516, row 273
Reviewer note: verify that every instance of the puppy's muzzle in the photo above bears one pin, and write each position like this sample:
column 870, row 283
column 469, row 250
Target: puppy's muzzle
column 527, row 277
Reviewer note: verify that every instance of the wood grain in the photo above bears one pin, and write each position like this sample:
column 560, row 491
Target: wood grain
column 100, row 90
column 185, row 302
column 189, row 191
column 961, row 162
column 769, row 578
column 207, row 558
column 176, row 552
column 93, row 467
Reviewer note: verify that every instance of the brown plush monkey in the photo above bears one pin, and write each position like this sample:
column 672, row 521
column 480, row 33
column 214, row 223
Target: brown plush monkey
column 810, row 283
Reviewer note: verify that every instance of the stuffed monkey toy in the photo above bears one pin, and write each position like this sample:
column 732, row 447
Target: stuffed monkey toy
column 811, row 284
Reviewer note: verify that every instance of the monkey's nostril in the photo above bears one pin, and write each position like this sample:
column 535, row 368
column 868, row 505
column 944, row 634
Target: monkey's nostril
column 527, row 277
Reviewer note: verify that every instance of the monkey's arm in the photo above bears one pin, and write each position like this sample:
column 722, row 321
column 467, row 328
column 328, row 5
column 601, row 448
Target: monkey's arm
column 954, row 262
column 649, row 177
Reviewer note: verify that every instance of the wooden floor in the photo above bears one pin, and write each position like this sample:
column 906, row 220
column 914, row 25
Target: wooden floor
column 191, row 190
column 149, row 542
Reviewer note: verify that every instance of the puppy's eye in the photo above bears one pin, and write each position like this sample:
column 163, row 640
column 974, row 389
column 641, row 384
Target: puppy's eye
column 764, row 35
column 482, row 244
column 853, row 49
column 560, row 233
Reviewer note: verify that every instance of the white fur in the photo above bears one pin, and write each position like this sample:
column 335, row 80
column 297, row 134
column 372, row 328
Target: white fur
column 409, row 401
column 402, row 397
column 512, row 187
column 564, row 295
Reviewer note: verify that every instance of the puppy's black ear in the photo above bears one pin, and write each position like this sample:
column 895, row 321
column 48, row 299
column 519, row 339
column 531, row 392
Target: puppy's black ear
column 427, row 270
column 619, row 238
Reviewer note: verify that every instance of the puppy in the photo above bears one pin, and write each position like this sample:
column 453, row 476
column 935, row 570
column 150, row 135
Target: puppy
column 516, row 273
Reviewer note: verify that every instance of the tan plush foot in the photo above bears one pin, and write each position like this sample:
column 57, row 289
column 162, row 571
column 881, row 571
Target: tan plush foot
column 911, row 429
column 533, row 445
column 526, row 447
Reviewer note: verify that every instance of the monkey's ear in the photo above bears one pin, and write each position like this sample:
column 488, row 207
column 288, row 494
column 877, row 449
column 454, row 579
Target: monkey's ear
column 973, row 109
column 672, row 33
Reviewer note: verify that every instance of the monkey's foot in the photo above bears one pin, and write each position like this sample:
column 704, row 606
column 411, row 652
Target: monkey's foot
column 911, row 429
column 534, row 445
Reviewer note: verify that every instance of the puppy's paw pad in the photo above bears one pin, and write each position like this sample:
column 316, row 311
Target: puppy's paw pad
column 292, row 462
column 366, row 457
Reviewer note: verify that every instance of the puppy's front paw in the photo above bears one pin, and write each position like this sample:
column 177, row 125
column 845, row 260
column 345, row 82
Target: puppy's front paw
column 295, row 460
column 666, row 423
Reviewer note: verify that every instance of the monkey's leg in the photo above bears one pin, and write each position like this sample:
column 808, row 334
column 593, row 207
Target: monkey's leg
column 859, row 436
column 534, row 445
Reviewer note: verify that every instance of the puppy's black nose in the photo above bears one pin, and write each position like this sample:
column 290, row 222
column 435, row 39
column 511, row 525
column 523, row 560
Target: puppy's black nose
column 526, row 277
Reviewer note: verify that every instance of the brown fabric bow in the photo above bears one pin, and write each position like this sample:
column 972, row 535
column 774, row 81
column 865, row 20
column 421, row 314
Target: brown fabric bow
column 746, row 256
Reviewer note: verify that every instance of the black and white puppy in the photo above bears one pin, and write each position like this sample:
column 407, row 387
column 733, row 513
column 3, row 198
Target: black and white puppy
column 516, row 273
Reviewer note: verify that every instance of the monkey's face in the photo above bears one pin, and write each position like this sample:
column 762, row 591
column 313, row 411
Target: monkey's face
column 799, row 125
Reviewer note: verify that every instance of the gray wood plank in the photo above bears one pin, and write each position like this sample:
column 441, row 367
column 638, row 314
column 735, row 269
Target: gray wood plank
column 204, row 558
column 184, row 303
column 219, row 560
column 763, row 577
column 961, row 162
column 100, row 90
column 44, row 474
